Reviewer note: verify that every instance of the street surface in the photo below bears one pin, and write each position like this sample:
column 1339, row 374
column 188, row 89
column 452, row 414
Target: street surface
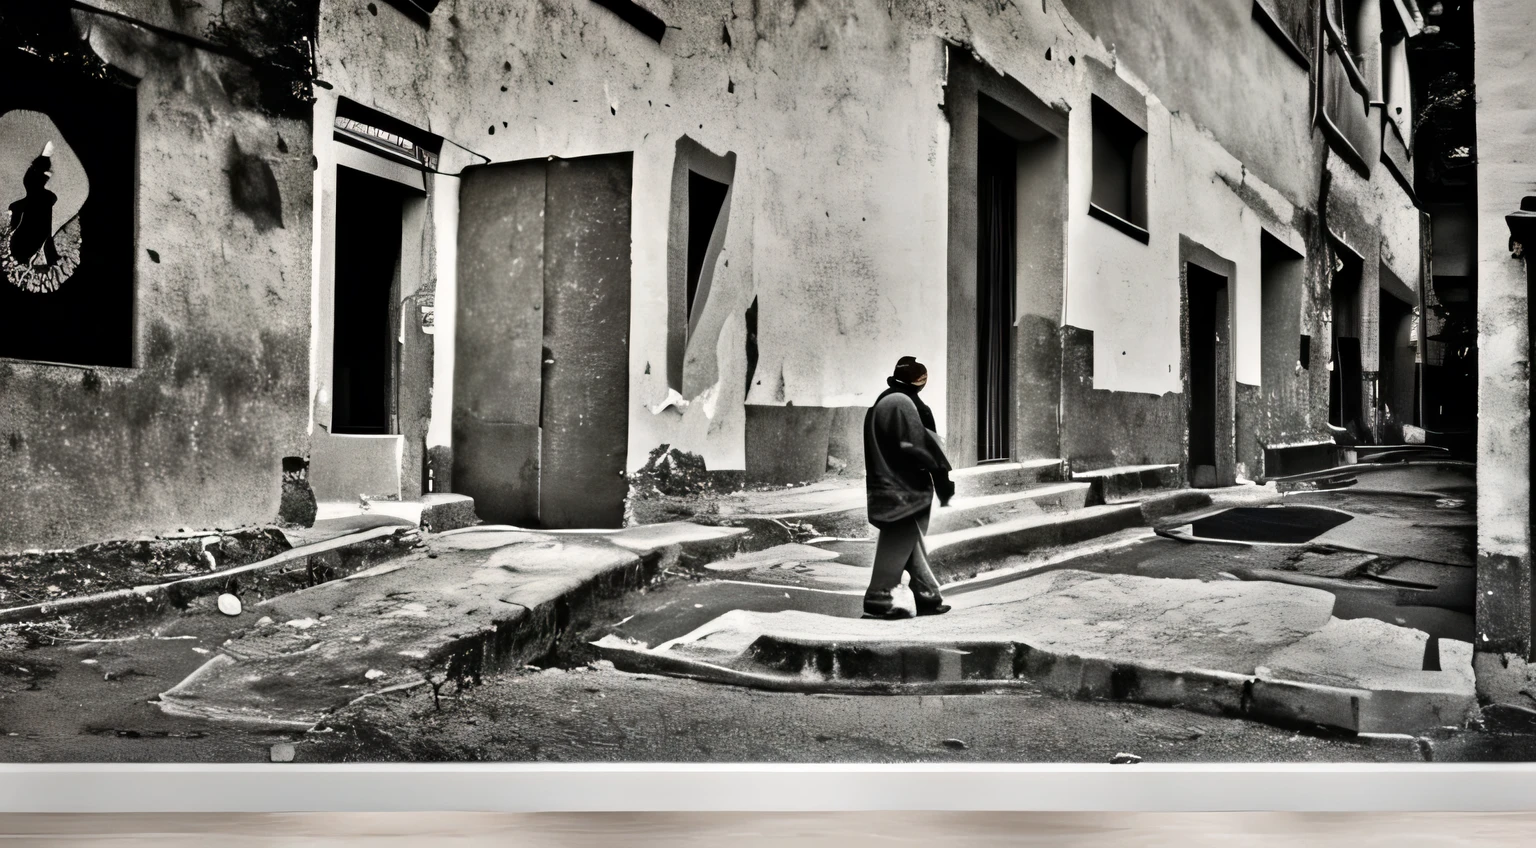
column 89, row 699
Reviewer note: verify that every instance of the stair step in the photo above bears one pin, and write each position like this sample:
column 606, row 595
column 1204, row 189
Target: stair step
column 965, row 512
column 996, row 477
column 1128, row 483
column 435, row 512
column 967, row 552
column 850, row 519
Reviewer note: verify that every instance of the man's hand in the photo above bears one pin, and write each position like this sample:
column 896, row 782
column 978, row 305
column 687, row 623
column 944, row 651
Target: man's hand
column 945, row 490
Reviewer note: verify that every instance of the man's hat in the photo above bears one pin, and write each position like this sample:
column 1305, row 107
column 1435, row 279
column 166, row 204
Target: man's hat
column 910, row 371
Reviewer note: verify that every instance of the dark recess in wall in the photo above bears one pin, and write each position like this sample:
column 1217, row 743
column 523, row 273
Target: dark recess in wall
column 751, row 344
column 637, row 16
column 706, row 197
column 419, row 11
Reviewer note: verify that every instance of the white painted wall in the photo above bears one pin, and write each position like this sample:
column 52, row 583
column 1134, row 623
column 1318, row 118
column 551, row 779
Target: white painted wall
column 838, row 219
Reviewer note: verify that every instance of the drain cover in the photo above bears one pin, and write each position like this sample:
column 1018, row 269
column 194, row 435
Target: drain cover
column 1290, row 525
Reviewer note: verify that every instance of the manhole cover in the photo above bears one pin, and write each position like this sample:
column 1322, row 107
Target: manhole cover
column 1290, row 525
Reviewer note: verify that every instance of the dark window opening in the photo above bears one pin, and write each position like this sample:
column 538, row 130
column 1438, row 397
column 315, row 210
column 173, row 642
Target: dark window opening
column 1306, row 351
column 365, row 341
column 706, row 197
column 1119, row 194
column 1346, row 15
column 698, row 220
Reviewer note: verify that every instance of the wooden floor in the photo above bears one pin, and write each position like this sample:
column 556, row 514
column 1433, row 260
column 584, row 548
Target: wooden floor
column 613, row 830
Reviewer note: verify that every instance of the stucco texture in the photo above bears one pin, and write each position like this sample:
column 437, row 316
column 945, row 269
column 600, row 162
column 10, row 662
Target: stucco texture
column 833, row 111
column 194, row 434
column 1506, row 118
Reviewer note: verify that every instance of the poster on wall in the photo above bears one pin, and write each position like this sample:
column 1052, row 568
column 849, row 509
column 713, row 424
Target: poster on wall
column 67, row 182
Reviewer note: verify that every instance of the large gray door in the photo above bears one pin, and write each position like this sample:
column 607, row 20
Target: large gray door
column 541, row 378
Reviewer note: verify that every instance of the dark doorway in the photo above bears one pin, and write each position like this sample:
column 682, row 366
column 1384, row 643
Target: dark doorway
column 1399, row 383
column 996, row 281
column 1207, row 376
column 1345, row 380
column 541, row 380
column 365, row 341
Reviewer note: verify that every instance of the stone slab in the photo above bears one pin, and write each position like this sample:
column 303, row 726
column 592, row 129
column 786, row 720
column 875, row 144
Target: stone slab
column 475, row 600
column 1270, row 650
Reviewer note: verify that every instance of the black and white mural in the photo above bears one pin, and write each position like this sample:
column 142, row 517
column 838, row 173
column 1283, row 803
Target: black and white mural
column 67, row 172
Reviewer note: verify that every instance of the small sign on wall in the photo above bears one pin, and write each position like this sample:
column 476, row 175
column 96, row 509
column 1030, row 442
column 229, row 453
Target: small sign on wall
column 428, row 313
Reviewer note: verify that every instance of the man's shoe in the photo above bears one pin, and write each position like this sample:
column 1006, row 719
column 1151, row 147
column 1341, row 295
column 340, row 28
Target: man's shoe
column 885, row 613
column 936, row 609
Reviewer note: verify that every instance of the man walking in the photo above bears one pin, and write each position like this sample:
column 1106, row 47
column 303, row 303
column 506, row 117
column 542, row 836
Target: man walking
column 904, row 467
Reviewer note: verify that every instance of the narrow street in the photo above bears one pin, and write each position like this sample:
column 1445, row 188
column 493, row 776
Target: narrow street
column 630, row 380
column 85, row 698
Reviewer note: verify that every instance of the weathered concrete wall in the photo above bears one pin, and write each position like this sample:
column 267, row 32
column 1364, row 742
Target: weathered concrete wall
column 1506, row 121
column 193, row 435
column 833, row 112
column 822, row 231
column 1211, row 62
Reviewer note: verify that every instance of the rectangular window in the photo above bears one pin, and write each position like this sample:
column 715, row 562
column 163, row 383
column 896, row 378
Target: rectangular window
column 1346, row 16
column 1399, row 89
column 1119, row 195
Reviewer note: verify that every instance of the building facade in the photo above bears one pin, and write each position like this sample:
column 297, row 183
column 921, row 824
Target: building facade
column 512, row 249
column 154, row 369
column 1505, row 238
column 1111, row 242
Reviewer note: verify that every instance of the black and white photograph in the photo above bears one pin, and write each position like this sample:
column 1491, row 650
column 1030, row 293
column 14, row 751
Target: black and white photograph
column 883, row 382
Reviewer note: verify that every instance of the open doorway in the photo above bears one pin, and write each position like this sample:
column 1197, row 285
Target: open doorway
column 1398, row 369
column 365, row 340
column 1345, row 378
column 996, row 281
column 1007, row 266
column 1208, row 343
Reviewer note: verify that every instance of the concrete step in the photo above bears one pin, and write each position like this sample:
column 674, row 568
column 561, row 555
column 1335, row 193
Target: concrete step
column 966, row 512
column 964, row 553
column 471, row 602
column 434, row 513
column 844, row 514
column 996, row 477
column 1127, row 483
column 1267, row 651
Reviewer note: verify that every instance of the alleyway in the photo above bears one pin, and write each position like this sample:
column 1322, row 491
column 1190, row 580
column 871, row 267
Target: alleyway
column 500, row 380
